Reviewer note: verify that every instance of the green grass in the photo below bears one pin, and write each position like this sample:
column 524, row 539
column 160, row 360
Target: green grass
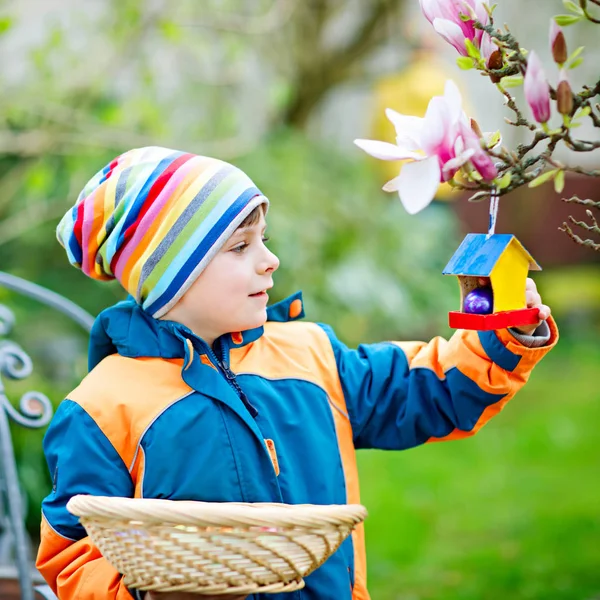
column 512, row 513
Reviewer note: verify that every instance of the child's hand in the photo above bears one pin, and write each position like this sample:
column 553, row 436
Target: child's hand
column 534, row 300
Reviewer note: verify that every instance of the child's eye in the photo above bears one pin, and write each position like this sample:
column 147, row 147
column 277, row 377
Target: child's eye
column 239, row 249
column 265, row 239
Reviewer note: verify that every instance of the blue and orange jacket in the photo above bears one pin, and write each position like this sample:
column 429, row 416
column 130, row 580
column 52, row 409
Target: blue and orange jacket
column 272, row 414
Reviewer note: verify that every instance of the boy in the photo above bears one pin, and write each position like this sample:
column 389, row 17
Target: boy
column 197, row 391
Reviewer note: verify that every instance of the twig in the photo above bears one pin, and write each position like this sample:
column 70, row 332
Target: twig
column 593, row 227
column 586, row 243
column 586, row 202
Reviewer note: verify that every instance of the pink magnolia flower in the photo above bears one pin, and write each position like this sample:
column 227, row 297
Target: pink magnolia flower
column 436, row 146
column 537, row 90
column 445, row 16
column 487, row 47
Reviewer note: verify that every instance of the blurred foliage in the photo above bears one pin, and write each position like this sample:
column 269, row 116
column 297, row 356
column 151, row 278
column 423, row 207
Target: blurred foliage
column 85, row 85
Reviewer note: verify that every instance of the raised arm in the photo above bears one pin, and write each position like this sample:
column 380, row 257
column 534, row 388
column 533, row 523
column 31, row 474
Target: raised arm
column 402, row 394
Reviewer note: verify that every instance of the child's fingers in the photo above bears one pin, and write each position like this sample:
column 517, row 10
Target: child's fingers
column 545, row 312
column 533, row 298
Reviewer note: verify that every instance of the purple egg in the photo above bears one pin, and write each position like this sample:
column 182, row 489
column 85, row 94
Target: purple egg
column 479, row 301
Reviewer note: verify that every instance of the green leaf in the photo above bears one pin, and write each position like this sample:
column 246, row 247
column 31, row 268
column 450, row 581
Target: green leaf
column 472, row 50
column 575, row 54
column 5, row 24
column 479, row 196
column 504, row 181
column 170, row 31
column 575, row 63
column 464, row 62
column 559, row 182
column 564, row 20
column 547, row 176
column 511, row 81
column 494, row 139
column 570, row 5
column 582, row 112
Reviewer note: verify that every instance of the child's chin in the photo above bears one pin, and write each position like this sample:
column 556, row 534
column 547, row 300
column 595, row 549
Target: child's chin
column 256, row 321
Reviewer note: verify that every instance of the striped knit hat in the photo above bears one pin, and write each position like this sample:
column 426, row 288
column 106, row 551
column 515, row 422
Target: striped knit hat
column 153, row 218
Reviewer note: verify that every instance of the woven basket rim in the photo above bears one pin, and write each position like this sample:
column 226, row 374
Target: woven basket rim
column 216, row 514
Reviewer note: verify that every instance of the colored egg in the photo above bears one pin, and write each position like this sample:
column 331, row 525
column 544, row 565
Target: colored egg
column 479, row 301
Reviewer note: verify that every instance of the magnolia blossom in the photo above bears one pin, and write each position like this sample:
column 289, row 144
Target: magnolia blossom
column 537, row 90
column 445, row 16
column 436, row 147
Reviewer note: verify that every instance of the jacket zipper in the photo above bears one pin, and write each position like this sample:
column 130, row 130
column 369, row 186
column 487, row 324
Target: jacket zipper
column 232, row 381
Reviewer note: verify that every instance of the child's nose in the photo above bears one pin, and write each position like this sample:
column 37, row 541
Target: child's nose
column 270, row 262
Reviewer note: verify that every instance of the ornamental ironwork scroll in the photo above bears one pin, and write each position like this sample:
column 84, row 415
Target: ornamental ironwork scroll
column 34, row 411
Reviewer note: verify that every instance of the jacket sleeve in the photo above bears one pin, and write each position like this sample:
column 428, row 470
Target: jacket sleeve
column 402, row 394
column 81, row 461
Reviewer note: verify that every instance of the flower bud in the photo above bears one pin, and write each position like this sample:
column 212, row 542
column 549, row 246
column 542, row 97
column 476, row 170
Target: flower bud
column 537, row 91
column 558, row 44
column 495, row 62
column 475, row 127
column 564, row 95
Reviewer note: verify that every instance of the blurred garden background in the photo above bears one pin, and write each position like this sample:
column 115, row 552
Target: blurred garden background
column 281, row 88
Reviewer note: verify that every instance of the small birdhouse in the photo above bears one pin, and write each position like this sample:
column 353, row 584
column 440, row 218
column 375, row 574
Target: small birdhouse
column 501, row 259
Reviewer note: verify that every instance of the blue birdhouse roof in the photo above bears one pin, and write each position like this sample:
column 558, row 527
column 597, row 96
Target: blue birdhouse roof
column 478, row 254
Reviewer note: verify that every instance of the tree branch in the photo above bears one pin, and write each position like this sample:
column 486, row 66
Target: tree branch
column 586, row 202
column 332, row 67
column 278, row 15
column 586, row 243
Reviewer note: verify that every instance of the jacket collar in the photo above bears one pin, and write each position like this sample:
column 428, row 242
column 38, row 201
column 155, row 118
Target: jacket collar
column 128, row 330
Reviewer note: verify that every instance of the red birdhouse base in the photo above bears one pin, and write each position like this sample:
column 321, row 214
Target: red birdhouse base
column 499, row 320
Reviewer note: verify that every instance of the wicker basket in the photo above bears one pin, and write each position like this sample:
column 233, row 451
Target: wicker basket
column 214, row 548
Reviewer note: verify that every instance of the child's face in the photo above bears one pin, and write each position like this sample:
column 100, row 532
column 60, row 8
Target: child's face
column 230, row 294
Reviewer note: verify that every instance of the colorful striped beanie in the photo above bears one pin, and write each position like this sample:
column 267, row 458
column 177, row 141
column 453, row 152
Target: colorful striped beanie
column 153, row 218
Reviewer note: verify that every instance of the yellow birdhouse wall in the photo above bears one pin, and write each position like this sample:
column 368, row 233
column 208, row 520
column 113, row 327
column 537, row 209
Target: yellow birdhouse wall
column 508, row 279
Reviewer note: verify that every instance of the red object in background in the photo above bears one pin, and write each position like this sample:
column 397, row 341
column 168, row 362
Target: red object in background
column 534, row 215
column 499, row 320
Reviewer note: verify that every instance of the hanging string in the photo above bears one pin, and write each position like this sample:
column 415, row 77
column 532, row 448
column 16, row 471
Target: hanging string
column 494, row 199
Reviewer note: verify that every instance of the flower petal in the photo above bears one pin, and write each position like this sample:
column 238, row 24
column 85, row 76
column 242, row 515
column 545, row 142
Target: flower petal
column 536, row 89
column 392, row 185
column 436, row 124
column 452, row 33
column 431, row 9
column 385, row 150
column 418, row 183
column 487, row 46
column 453, row 100
column 480, row 159
column 492, row 137
column 408, row 129
column 454, row 164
